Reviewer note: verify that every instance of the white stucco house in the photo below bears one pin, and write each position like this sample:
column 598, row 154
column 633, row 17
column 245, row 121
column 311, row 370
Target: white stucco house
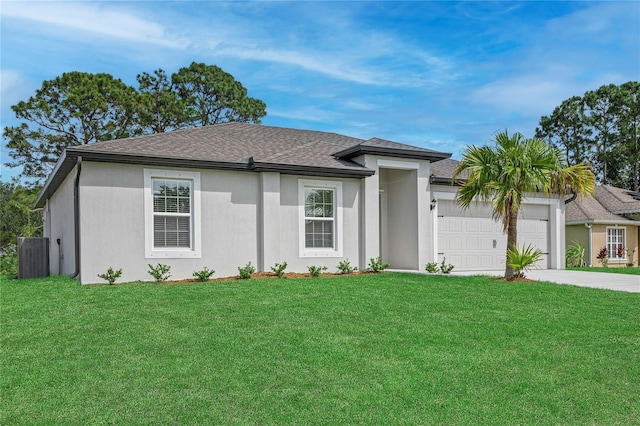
column 224, row 195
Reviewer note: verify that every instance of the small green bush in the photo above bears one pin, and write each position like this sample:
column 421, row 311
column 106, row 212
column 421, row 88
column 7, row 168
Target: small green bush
column 523, row 259
column 444, row 267
column 279, row 268
column 160, row 272
column 315, row 271
column 9, row 262
column 111, row 276
column 345, row 267
column 204, row 274
column 246, row 271
column 575, row 255
column 432, row 267
column 376, row 265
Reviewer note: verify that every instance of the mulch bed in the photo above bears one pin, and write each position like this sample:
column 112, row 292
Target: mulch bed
column 261, row 275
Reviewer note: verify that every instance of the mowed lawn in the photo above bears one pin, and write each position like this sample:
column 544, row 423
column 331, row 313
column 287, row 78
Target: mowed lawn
column 369, row 349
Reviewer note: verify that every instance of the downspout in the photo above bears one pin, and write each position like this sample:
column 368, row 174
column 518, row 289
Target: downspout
column 590, row 226
column 574, row 195
column 76, row 216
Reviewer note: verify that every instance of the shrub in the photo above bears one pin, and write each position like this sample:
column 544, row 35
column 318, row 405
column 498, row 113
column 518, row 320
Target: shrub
column 111, row 276
column 523, row 259
column 444, row 267
column 246, row 271
column 603, row 257
column 204, row 274
column 345, row 267
column 376, row 265
column 279, row 268
column 9, row 262
column 315, row 271
column 575, row 255
column 160, row 272
column 432, row 267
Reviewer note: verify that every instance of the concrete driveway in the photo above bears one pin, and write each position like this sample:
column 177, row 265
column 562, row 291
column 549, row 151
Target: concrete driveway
column 619, row 282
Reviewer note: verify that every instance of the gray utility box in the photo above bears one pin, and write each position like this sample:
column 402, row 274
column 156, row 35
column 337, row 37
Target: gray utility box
column 33, row 257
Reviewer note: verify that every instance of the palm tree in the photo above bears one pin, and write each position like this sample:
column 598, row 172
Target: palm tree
column 504, row 174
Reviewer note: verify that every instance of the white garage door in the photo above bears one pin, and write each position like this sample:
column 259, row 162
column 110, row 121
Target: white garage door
column 471, row 240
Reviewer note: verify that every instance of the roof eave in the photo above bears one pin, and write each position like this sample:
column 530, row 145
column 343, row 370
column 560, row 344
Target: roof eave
column 311, row 170
column 357, row 150
column 63, row 166
column 601, row 222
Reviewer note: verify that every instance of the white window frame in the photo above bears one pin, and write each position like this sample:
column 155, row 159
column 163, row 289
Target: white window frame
column 612, row 253
column 336, row 250
column 195, row 251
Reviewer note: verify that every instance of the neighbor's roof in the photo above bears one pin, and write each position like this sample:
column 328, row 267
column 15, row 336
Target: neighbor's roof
column 618, row 200
column 607, row 206
column 240, row 146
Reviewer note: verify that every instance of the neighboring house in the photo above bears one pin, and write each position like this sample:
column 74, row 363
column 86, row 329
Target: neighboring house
column 609, row 219
column 472, row 240
column 224, row 195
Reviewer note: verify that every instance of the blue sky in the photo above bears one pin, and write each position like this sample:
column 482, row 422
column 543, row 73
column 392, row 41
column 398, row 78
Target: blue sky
column 441, row 75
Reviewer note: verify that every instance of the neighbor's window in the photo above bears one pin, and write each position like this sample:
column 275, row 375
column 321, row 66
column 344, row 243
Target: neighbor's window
column 616, row 242
column 172, row 209
column 320, row 218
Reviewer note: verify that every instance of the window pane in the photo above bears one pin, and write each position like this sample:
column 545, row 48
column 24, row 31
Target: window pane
column 171, row 188
column 172, row 231
column 318, row 202
column 159, row 204
column 319, row 234
column 184, row 205
column 172, row 205
column 158, row 187
column 183, row 189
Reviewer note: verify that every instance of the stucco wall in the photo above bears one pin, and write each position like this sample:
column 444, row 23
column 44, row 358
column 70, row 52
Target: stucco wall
column 579, row 233
column 289, row 225
column 113, row 227
column 600, row 240
column 113, row 223
column 59, row 225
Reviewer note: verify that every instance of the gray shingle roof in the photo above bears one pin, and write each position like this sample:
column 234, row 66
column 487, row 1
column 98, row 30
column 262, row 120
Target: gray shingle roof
column 240, row 146
column 442, row 171
column 235, row 143
column 588, row 209
column 618, row 200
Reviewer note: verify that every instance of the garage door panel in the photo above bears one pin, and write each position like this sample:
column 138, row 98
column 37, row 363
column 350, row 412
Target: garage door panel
column 477, row 243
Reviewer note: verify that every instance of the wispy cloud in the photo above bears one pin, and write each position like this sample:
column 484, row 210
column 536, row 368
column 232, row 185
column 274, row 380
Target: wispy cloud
column 92, row 18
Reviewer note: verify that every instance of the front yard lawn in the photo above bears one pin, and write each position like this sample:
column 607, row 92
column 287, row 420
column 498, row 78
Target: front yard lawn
column 622, row 270
column 370, row 349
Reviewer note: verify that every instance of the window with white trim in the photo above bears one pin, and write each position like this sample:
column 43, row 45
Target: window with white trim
column 320, row 218
column 616, row 242
column 172, row 212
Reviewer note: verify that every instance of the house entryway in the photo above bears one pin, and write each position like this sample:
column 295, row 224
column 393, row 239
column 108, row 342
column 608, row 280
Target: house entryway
column 399, row 218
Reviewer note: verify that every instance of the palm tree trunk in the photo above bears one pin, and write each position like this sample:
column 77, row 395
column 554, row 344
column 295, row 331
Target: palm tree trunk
column 512, row 238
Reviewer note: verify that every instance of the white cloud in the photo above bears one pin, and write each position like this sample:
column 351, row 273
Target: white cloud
column 92, row 18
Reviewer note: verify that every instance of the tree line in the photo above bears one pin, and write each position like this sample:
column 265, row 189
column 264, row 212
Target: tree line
column 79, row 108
column 601, row 128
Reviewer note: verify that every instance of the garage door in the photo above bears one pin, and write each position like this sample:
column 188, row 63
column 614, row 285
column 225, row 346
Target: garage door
column 471, row 240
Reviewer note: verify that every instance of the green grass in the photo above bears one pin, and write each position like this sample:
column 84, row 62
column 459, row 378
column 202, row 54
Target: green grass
column 622, row 270
column 369, row 349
